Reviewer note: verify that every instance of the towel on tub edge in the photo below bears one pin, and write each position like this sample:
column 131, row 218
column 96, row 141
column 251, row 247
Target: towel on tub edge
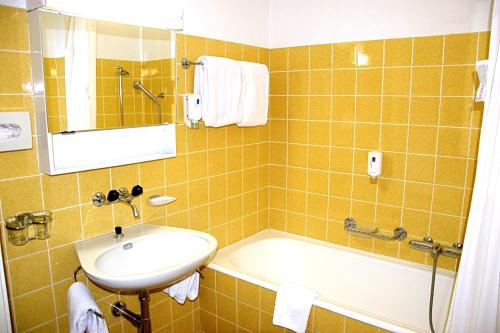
column 185, row 288
column 292, row 307
column 81, row 303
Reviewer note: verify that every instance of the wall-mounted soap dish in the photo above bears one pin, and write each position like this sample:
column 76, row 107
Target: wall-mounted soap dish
column 160, row 200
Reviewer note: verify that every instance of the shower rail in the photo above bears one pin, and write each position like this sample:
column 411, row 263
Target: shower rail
column 350, row 226
column 121, row 73
column 138, row 85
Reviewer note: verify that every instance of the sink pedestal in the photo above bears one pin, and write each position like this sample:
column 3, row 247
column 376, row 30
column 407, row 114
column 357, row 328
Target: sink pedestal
column 141, row 321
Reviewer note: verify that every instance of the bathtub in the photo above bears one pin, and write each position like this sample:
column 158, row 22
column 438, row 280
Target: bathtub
column 389, row 293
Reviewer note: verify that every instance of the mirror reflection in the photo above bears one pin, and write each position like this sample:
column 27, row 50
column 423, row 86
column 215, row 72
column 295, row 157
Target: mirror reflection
column 101, row 75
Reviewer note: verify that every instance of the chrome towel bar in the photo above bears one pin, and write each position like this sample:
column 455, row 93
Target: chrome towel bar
column 186, row 63
column 351, row 227
column 74, row 278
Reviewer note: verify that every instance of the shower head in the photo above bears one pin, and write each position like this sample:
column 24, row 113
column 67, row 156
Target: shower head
column 121, row 71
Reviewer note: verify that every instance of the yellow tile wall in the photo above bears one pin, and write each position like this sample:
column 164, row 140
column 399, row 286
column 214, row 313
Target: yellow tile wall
column 228, row 304
column 304, row 172
column 412, row 99
column 220, row 179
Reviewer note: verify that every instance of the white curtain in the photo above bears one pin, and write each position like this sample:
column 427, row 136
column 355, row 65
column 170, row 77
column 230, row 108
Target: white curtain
column 80, row 74
column 475, row 305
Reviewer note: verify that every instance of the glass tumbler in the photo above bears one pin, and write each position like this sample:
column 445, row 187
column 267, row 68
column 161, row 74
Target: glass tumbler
column 17, row 228
column 42, row 223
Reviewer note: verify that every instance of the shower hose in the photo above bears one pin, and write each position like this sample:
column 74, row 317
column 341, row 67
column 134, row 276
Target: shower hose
column 431, row 300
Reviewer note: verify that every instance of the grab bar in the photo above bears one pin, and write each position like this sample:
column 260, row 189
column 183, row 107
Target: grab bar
column 350, row 226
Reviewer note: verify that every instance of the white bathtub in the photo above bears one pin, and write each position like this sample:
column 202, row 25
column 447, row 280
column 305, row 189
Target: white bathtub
column 389, row 293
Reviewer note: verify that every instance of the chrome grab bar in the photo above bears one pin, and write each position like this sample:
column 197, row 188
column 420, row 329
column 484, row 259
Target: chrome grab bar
column 350, row 226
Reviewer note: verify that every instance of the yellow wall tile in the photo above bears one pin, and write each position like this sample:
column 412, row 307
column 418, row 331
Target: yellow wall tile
column 344, row 82
column 278, row 59
column 344, row 55
column 298, row 83
column 370, row 53
column 397, row 81
column 460, row 49
column 458, row 81
column 321, row 56
column 343, row 108
column 321, row 82
column 428, row 51
column 398, row 52
column 29, row 313
column 394, row 138
column 369, row 81
column 426, row 81
column 453, row 142
column 418, row 196
column 298, row 58
column 368, row 108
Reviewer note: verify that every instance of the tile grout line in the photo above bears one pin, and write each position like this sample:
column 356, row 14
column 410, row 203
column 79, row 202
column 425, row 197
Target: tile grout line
column 462, row 217
column 405, row 176
column 349, row 238
column 377, row 185
column 431, row 208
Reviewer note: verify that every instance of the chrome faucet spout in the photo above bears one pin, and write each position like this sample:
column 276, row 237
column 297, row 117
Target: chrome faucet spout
column 130, row 203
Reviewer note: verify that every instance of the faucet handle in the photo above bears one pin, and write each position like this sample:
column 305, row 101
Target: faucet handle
column 137, row 190
column 113, row 195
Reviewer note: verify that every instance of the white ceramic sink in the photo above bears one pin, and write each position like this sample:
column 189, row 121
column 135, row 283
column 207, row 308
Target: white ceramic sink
column 148, row 256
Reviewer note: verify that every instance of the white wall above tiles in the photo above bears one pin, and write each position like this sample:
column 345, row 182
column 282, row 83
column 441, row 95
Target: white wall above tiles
column 282, row 23
column 295, row 23
column 241, row 21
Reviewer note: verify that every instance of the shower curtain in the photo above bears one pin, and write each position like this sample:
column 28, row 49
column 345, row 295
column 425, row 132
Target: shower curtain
column 80, row 74
column 475, row 305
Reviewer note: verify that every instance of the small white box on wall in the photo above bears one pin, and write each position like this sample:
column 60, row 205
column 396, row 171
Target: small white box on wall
column 15, row 131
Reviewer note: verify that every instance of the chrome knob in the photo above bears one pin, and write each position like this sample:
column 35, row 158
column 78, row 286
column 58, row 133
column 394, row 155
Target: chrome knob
column 458, row 245
column 428, row 239
column 98, row 199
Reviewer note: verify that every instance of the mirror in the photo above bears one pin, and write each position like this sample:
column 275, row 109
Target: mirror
column 102, row 75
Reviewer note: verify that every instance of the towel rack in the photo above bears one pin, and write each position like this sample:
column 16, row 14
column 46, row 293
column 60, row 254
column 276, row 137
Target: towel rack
column 350, row 226
column 186, row 63
column 91, row 310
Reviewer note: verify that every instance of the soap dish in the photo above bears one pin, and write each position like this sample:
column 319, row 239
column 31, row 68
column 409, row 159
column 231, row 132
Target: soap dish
column 160, row 200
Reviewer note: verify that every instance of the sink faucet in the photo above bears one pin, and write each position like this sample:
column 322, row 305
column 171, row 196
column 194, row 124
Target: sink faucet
column 121, row 195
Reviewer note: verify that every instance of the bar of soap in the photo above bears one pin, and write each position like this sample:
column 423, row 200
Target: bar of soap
column 160, row 200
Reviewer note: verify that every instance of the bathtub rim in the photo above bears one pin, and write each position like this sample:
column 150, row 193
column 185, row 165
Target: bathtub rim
column 341, row 309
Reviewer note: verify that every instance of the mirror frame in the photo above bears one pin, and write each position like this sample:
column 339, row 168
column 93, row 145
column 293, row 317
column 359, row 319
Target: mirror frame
column 60, row 153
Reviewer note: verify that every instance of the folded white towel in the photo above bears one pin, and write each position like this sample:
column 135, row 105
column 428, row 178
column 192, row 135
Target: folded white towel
column 292, row 307
column 81, row 303
column 254, row 94
column 218, row 82
column 186, row 288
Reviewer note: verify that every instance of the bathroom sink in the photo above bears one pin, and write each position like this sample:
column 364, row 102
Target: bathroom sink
column 146, row 257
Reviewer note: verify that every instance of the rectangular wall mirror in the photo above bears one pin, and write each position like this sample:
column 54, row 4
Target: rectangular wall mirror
column 103, row 75
column 105, row 93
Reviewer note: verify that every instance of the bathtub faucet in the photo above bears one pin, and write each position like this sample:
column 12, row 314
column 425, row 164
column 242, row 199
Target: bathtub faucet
column 428, row 245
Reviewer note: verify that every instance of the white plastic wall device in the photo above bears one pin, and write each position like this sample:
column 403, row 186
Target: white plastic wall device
column 15, row 131
column 192, row 110
column 374, row 165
